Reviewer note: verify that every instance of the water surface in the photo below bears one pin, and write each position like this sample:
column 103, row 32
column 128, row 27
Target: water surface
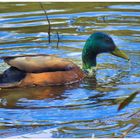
column 85, row 109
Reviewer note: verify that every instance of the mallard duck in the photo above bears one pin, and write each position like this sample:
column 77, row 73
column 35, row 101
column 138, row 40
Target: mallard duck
column 42, row 70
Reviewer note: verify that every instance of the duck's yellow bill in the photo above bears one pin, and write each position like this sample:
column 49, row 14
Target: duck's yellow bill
column 120, row 53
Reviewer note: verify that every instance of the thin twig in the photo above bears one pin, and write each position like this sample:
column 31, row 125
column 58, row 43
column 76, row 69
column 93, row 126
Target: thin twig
column 49, row 24
column 58, row 39
column 135, row 113
column 127, row 131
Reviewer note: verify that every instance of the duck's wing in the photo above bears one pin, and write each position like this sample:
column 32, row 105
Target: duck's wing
column 38, row 63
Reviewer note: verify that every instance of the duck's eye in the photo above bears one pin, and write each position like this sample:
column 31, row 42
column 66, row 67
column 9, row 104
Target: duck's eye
column 107, row 39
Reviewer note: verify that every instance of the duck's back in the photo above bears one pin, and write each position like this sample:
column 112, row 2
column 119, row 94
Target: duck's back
column 38, row 63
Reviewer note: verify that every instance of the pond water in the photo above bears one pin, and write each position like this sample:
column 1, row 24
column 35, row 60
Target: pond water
column 86, row 109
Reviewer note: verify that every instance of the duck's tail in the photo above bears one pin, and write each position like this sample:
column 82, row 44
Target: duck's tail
column 11, row 78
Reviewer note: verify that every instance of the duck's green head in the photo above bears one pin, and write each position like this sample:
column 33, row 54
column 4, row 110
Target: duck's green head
column 99, row 43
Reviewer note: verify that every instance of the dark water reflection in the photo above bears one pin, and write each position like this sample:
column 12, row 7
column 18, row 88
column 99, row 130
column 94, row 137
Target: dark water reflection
column 85, row 109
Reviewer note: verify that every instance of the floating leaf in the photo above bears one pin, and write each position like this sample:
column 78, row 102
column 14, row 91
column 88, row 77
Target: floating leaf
column 125, row 102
